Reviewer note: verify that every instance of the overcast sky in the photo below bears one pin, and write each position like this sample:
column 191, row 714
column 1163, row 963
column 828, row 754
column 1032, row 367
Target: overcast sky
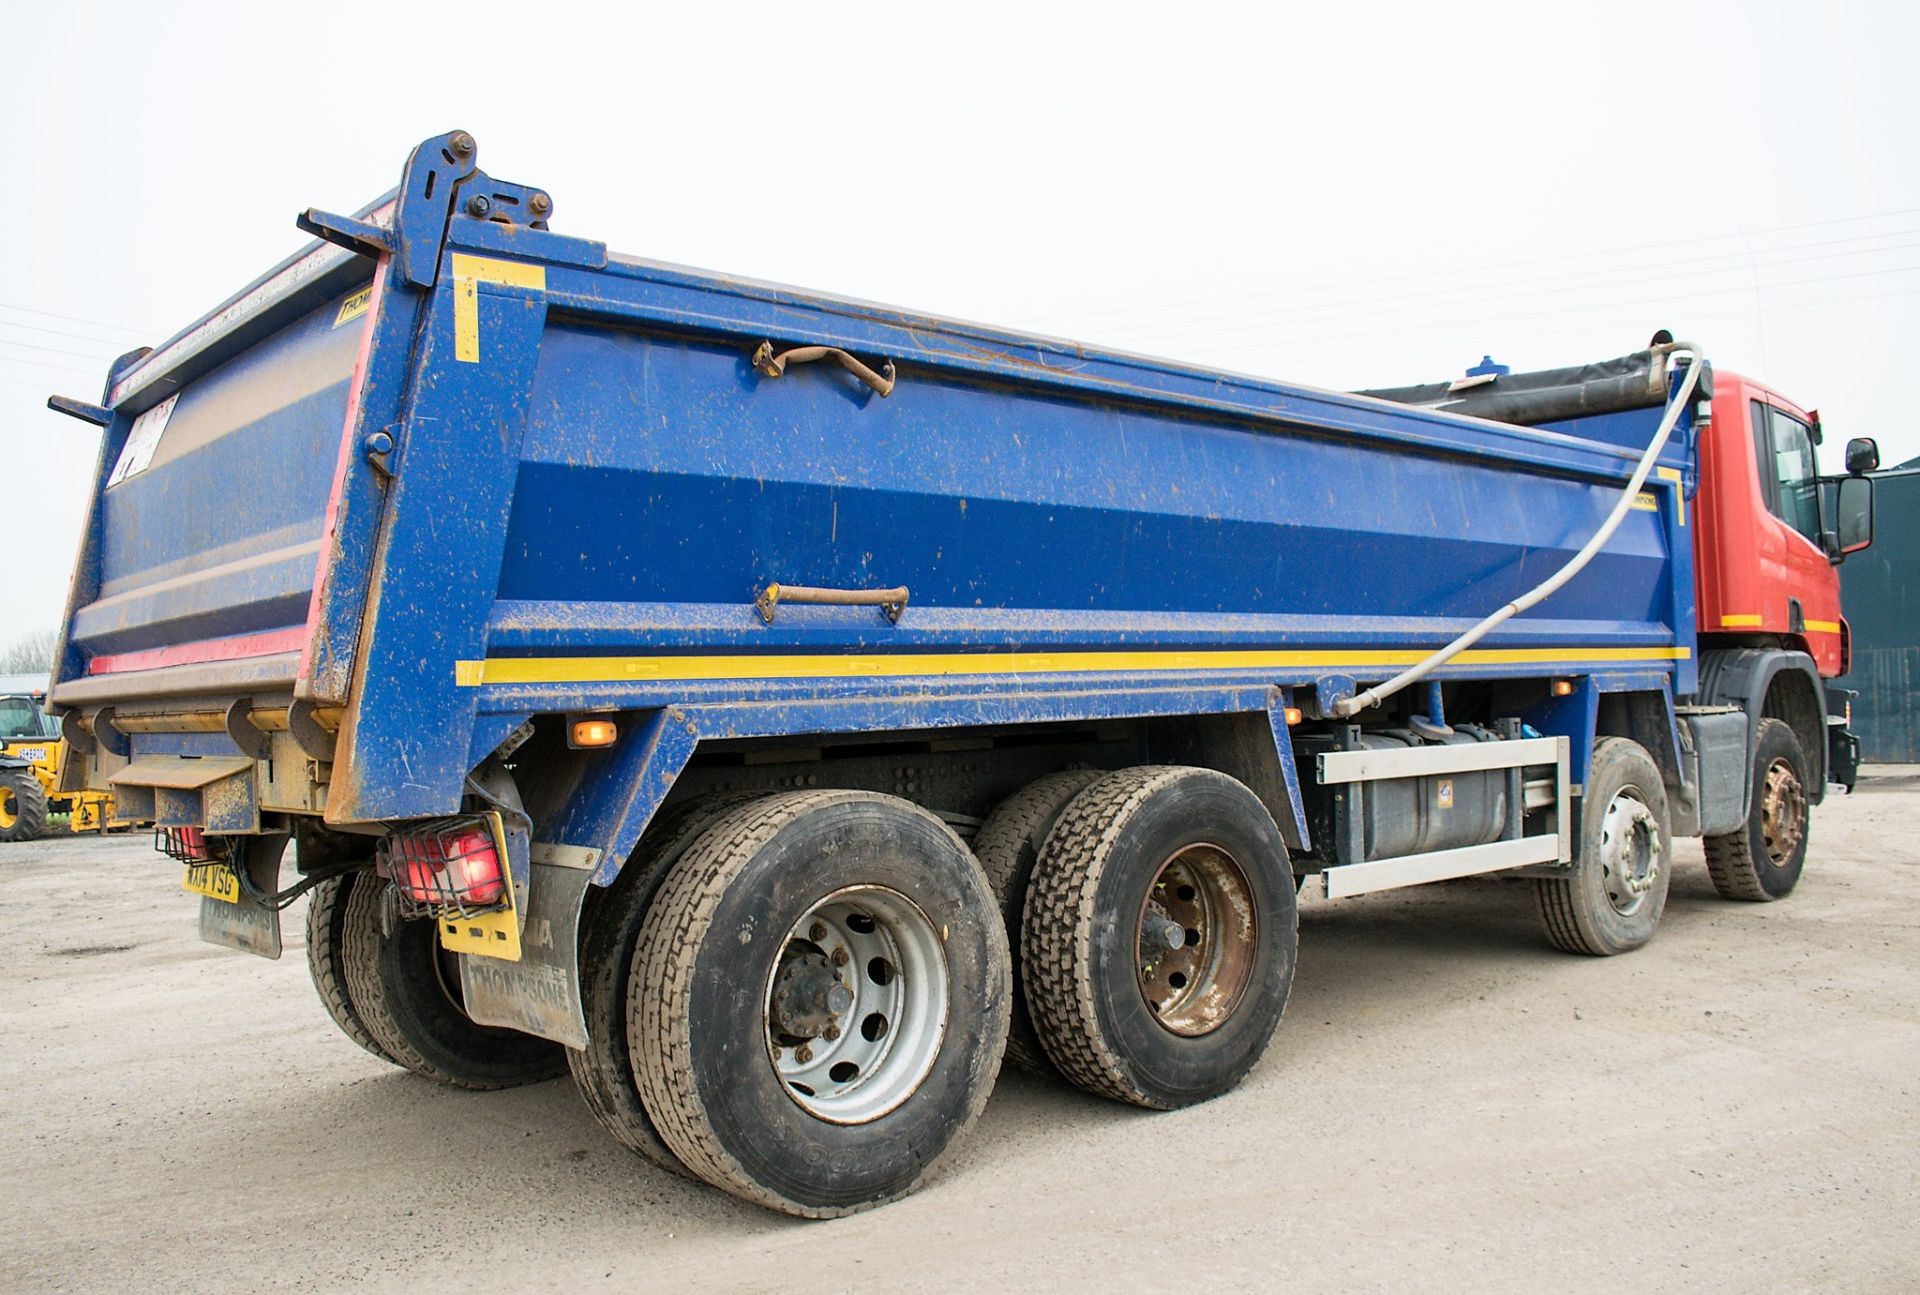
column 1339, row 195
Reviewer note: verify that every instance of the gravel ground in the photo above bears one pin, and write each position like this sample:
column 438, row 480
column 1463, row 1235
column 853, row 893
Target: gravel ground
column 1448, row 1104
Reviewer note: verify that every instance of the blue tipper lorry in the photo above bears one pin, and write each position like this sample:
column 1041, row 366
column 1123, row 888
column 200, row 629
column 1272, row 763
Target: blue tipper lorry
column 774, row 707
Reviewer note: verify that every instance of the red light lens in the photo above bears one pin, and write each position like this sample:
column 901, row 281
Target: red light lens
column 186, row 844
column 460, row 867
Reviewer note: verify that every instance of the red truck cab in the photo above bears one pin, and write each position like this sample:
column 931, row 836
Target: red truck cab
column 1764, row 570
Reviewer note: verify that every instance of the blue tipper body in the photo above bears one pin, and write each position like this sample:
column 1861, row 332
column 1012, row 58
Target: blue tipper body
column 447, row 469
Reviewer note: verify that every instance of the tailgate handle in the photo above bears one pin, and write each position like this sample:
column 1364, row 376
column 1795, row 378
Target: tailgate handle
column 891, row 602
column 774, row 365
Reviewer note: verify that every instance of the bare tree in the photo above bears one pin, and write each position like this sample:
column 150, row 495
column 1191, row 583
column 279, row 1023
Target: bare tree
column 29, row 654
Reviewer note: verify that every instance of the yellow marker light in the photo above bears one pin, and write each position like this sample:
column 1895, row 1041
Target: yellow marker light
column 594, row 732
column 1293, row 716
column 1563, row 687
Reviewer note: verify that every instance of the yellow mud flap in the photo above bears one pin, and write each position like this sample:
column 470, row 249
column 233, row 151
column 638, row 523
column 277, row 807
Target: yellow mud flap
column 488, row 935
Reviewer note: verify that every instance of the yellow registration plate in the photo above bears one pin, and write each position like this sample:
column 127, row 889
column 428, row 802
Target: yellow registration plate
column 214, row 880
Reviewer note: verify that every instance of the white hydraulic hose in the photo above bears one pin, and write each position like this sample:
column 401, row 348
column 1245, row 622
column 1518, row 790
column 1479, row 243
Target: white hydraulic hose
column 1348, row 706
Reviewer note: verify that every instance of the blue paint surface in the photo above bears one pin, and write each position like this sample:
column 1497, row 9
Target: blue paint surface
column 613, row 477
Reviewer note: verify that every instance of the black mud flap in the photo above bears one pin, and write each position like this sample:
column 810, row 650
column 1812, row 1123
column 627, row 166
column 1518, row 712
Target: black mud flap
column 1843, row 748
column 243, row 923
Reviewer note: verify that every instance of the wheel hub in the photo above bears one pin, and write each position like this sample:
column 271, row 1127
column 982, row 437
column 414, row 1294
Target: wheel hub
column 1629, row 852
column 856, row 1005
column 1196, row 940
column 807, row 996
column 1783, row 812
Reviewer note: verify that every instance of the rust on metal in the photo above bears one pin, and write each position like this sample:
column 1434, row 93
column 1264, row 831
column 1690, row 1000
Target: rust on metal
column 774, row 365
column 891, row 602
column 1196, row 940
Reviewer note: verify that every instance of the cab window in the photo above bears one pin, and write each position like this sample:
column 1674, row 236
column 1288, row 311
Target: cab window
column 1789, row 476
column 19, row 717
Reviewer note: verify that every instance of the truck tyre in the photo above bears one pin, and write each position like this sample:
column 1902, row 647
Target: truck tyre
column 1007, row 845
column 610, row 928
column 819, row 1000
column 23, row 805
column 1160, row 936
column 1612, row 900
column 326, row 933
column 406, row 993
column 1763, row 860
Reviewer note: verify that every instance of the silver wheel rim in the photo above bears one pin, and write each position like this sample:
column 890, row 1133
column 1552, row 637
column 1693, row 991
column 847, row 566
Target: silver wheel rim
column 1629, row 852
column 856, row 1004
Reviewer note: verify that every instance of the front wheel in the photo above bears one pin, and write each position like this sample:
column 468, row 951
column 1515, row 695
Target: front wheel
column 1612, row 900
column 1763, row 860
column 819, row 1000
column 23, row 805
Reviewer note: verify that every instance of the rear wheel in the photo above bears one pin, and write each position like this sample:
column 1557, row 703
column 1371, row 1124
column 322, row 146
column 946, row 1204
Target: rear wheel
column 1008, row 844
column 819, row 1000
column 603, row 1072
column 1612, row 900
column 326, row 935
column 23, row 805
column 406, row 991
column 1763, row 860
column 1160, row 935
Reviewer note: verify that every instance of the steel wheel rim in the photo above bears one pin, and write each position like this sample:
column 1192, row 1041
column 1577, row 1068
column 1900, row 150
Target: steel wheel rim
column 1196, row 940
column 1783, row 812
column 856, row 1004
column 1629, row 851
column 9, row 808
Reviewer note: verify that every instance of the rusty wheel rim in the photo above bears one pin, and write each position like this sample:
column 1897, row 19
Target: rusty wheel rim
column 1783, row 812
column 1195, row 941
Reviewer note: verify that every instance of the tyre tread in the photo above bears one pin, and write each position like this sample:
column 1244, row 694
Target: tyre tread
column 661, row 1021
column 30, row 798
column 1731, row 863
column 603, row 1071
column 1000, row 848
column 1056, row 947
column 326, row 924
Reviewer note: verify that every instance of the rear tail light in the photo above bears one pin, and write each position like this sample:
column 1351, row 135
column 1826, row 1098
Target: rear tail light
column 185, row 844
column 446, row 867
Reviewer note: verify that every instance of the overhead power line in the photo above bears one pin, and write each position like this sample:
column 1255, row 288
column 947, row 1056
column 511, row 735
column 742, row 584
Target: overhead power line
column 1396, row 304
column 55, row 350
column 76, row 319
column 43, row 331
column 1295, row 362
column 1583, row 307
column 1482, row 268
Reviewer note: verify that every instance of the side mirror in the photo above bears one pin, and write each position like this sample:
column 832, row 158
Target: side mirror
column 1863, row 455
column 1854, row 505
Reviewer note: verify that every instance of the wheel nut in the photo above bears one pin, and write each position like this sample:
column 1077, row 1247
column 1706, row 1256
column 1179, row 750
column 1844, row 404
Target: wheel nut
column 817, row 932
column 832, row 1032
column 840, row 957
column 803, row 1054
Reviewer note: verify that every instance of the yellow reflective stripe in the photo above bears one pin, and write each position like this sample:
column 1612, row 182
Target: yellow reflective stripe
column 469, row 272
column 1679, row 491
column 1825, row 627
column 621, row 669
column 1742, row 620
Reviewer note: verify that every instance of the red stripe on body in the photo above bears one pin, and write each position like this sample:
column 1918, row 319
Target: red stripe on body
column 225, row 649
